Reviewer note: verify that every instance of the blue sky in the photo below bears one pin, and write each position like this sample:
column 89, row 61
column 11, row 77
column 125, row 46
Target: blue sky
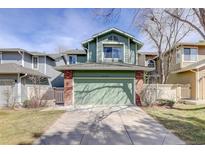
column 47, row 29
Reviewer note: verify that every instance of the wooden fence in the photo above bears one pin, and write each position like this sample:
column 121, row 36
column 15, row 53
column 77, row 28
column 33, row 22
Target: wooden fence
column 152, row 92
column 53, row 94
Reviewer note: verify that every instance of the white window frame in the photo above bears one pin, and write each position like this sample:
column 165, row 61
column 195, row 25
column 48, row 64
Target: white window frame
column 146, row 62
column 113, row 44
column 68, row 56
column 0, row 57
column 190, row 60
column 37, row 62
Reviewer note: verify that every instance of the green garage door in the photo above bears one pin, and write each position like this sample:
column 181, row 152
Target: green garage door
column 103, row 91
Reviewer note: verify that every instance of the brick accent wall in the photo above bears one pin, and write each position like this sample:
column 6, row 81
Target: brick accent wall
column 139, row 86
column 68, row 87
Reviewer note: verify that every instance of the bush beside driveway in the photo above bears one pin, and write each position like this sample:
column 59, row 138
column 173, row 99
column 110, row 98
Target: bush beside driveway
column 25, row 125
column 186, row 121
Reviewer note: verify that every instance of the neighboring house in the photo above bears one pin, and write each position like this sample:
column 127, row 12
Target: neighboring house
column 187, row 66
column 146, row 58
column 111, row 74
column 18, row 68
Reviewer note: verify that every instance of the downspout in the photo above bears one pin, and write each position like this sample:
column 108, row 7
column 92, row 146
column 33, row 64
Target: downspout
column 22, row 57
column 19, row 86
column 197, row 83
column 87, row 53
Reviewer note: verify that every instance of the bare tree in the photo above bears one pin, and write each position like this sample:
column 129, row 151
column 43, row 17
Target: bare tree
column 194, row 17
column 36, row 92
column 162, row 30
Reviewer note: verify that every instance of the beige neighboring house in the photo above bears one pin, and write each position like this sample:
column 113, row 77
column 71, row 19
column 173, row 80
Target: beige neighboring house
column 187, row 66
column 146, row 58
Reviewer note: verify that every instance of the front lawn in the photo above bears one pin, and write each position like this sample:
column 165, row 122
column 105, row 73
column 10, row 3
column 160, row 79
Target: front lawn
column 24, row 126
column 186, row 121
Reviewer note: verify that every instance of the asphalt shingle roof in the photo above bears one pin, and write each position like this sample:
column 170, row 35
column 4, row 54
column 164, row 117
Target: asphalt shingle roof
column 12, row 68
column 75, row 52
column 103, row 66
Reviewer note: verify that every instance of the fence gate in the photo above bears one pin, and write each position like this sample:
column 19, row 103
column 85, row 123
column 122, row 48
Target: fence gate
column 59, row 95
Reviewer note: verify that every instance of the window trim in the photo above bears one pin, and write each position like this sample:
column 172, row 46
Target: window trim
column 113, row 43
column 146, row 63
column 37, row 62
column 190, row 60
column 68, row 56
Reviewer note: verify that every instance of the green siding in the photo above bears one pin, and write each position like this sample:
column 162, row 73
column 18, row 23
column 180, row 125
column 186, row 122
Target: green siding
column 103, row 91
column 117, row 74
column 81, row 58
column 96, row 47
column 122, row 39
column 92, row 51
column 132, row 56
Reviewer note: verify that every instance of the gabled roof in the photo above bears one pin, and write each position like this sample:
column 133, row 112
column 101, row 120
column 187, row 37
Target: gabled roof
column 36, row 53
column 56, row 55
column 11, row 49
column 12, row 68
column 103, row 66
column 33, row 53
column 75, row 52
column 115, row 30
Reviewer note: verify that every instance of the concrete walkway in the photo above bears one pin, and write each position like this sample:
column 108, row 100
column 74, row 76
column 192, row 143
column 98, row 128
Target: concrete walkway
column 109, row 125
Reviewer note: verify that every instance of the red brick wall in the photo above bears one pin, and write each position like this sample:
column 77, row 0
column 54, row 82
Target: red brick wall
column 138, row 85
column 68, row 87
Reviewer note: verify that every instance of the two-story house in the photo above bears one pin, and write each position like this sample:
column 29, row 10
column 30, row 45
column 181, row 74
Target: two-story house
column 107, row 70
column 17, row 69
column 110, row 73
column 187, row 66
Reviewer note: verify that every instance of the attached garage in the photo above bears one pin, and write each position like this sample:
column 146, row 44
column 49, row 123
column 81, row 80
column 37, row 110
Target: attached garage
column 102, row 84
column 103, row 91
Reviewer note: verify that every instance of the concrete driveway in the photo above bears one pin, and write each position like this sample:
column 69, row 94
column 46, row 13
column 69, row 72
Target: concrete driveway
column 107, row 125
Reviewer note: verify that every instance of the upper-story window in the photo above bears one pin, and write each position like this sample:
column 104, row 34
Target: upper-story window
column 72, row 59
column 190, row 54
column 114, row 53
column 113, row 38
column 150, row 63
column 35, row 62
column 110, row 38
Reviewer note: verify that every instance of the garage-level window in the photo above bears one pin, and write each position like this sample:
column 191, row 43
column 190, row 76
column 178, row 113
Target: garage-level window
column 113, row 52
